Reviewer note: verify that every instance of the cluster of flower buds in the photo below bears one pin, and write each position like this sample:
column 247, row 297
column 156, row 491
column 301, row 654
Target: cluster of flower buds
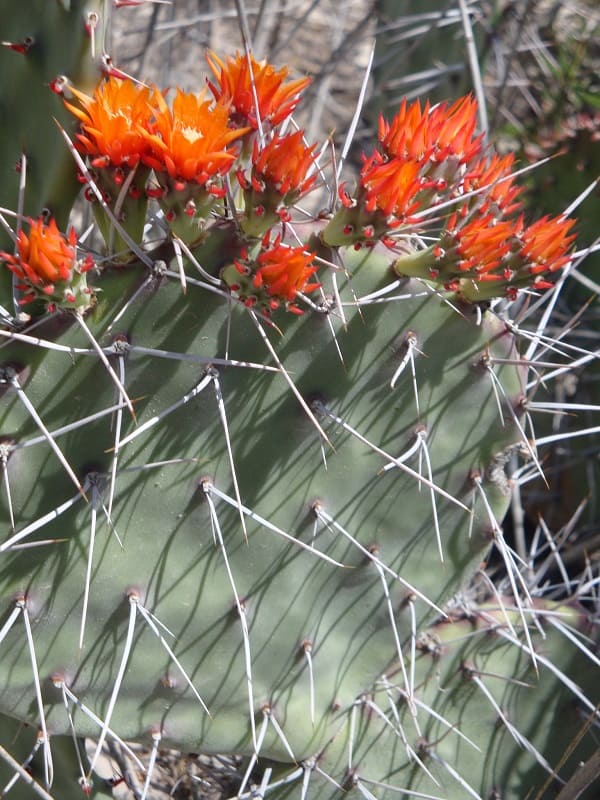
column 432, row 173
column 227, row 153
column 188, row 154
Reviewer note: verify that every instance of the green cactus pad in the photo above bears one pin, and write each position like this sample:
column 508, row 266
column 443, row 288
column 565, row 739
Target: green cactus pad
column 332, row 498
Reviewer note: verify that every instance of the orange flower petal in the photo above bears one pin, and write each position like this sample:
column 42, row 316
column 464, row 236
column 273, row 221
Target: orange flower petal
column 244, row 82
column 111, row 120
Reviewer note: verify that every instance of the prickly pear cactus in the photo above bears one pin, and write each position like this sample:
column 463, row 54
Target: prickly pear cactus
column 247, row 460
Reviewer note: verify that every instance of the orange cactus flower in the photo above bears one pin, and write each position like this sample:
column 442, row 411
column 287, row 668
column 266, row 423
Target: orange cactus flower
column 112, row 121
column 46, row 266
column 283, row 164
column 189, row 142
column 544, row 246
column 391, row 187
column 284, row 271
column 435, row 134
column 485, row 249
column 245, row 82
column 271, row 277
column 481, row 243
column 492, row 178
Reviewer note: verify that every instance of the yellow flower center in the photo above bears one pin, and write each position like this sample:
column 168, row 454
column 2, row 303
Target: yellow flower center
column 191, row 134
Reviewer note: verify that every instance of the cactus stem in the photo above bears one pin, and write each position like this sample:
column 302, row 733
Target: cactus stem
column 401, row 660
column 330, row 523
column 101, row 354
column 271, row 527
column 39, row 523
column 5, row 451
column 21, row 772
column 322, row 409
column 287, row 377
column 149, row 423
column 221, row 407
column 307, row 648
column 68, row 695
column 46, row 433
column 151, row 621
column 71, row 426
column 48, row 768
column 118, row 422
column 116, row 686
column 156, row 738
column 268, row 713
column 88, row 572
column 410, row 343
column 193, row 260
column 208, row 488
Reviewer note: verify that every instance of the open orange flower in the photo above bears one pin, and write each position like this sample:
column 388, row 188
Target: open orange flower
column 244, row 82
column 46, row 266
column 190, row 141
column 112, row 121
